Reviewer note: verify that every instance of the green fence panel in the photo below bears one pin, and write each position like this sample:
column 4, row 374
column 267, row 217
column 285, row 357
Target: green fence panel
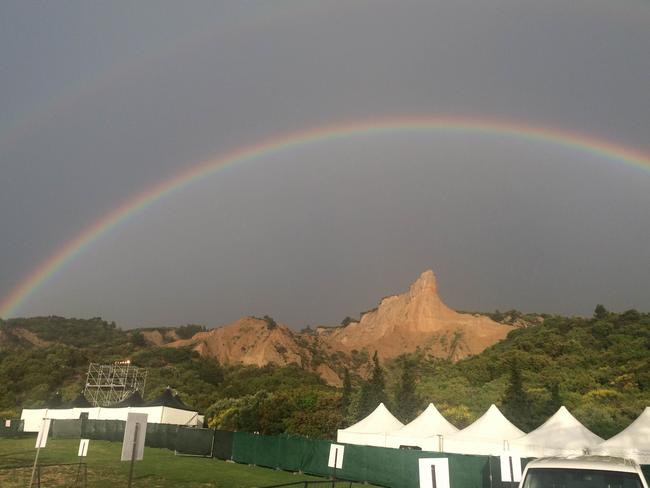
column 354, row 462
column 466, row 471
column 396, row 468
column 267, row 451
column 242, row 448
column 65, row 428
column 161, row 436
column 261, row 450
column 105, row 430
column 222, row 447
column 191, row 440
column 290, row 452
column 12, row 428
column 315, row 456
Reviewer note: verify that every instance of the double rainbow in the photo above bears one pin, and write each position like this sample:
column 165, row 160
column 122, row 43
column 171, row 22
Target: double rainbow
column 471, row 125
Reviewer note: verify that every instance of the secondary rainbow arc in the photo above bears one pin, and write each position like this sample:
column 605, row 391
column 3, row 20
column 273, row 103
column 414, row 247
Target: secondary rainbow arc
column 473, row 125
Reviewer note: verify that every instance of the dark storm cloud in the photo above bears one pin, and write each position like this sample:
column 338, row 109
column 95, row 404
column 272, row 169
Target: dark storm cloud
column 102, row 101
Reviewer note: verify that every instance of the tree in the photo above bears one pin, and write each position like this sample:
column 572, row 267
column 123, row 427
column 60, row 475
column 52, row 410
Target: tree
column 407, row 401
column 137, row 339
column 516, row 403
column 555, row 402
column 373, row 391
column 600, row 312
column 346, row 395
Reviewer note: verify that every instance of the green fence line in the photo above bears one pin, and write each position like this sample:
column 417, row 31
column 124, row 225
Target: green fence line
column 185, row 440
column 396, row 468
column 377, row 465
column 14, row 429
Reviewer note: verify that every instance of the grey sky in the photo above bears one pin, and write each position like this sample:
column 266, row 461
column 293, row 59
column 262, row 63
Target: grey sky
column 100, row 101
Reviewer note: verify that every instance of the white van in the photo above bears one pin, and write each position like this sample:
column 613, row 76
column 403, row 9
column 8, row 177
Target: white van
column 583, row 472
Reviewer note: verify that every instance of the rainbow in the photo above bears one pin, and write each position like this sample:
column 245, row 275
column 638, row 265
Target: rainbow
column 470, row 125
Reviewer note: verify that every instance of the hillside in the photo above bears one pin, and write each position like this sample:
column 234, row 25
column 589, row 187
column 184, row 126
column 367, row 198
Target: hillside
column 598, row 367
column 416, row 320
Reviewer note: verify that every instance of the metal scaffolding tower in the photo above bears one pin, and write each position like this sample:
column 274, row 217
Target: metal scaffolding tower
column 107, row 384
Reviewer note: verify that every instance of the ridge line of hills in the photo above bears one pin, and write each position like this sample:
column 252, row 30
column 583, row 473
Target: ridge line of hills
column 599, row 367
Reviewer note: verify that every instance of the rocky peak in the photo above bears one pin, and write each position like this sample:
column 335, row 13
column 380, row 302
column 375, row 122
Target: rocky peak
column 418, row 319
column 426, row 283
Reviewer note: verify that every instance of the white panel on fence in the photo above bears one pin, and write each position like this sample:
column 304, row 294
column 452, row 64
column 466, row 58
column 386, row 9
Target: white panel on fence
column 83, row 447
column 135, row 423
column 336, row 456
column 516, row 468
column 505, row 468
column 41, row 439
column 510, row 468
column 434, row 472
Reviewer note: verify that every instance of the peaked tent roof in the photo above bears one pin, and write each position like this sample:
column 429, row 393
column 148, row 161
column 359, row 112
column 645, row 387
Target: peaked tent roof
column 379, row 421
column 562, row 431
column 428, row 423
column 133, row 400
column 491, row 425
column 80, row 402
column 167, row 399
column 633, row 441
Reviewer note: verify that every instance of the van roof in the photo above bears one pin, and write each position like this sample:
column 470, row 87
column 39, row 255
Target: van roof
column 602, row 463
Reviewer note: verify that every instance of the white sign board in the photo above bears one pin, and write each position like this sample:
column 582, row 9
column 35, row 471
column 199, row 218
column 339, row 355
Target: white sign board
column 434, row 472
column 516, row 468
column 510, row 468
column 41, row 439
column 336, row 456
column 136, row 424
column 83, row 447
column 7, row 423
column 505, row 468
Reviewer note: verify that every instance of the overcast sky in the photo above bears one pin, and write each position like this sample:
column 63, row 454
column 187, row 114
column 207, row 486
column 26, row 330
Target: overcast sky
column 100, row 101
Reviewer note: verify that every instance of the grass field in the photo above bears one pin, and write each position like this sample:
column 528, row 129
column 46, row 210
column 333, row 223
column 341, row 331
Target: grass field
column 160, row 468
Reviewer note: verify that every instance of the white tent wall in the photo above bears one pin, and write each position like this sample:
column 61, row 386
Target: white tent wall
column 377, row 440
column 91, row 411
column 428, row 426
column 633, row 442
column 154, row 414
column 561, row 435
column 181, row 417
column 372, row 430
column 33, row 417
column 488, row 435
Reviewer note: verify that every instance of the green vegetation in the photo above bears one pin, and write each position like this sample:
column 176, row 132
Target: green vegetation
column 187, row 331
column 598, row 367
column 159, row 467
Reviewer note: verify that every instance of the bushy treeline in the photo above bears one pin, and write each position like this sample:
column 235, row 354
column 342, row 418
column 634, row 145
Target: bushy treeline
column 598, row 367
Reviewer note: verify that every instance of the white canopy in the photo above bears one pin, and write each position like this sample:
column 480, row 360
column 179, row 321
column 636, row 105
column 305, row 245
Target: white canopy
column 560, row 435
column 372, row 430
column 155, row 415
column 429, row 423
column 632, row 442
column 488, row 435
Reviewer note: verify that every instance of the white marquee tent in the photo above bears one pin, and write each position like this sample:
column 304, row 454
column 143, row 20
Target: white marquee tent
column 372, row 430
column 429, row 423
column 164, row 409
column 488, row 435
column 155, row 415
column 632, row 442
column 560, row 435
